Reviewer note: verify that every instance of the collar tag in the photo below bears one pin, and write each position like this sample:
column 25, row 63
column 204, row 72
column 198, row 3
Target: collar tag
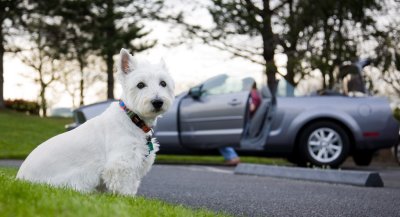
column 151, row 147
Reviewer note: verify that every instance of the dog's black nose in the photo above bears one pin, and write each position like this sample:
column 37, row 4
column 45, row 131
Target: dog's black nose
column 157, row 103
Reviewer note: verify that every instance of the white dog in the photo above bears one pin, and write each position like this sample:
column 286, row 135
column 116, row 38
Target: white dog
column 112, row 151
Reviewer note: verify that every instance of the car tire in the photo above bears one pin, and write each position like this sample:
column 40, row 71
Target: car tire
column 324, row 144
column 363, row 158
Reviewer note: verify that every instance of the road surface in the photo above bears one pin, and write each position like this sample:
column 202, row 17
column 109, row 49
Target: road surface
column 219, row 189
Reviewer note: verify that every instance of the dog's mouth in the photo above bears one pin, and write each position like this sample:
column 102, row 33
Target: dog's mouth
column 158, row 110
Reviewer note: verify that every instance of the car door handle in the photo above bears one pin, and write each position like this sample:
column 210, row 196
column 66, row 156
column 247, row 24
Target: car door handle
column 234, row 102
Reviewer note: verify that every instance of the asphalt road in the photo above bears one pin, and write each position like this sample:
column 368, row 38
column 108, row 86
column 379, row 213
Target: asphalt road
column 218, row 189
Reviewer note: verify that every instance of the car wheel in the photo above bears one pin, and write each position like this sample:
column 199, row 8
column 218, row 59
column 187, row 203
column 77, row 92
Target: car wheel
column 324, row 144
column 363, row 158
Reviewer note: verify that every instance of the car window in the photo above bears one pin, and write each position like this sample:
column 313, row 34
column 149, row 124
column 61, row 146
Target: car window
column 224, row 84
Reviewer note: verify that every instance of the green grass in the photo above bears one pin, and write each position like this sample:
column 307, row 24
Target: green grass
column 201, row 159
column 18, row 198
column 20, row 133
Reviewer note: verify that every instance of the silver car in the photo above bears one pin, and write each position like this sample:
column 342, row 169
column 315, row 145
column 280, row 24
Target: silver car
column 316, row 129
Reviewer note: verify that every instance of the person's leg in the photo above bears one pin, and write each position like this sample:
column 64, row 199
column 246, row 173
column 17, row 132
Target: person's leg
column 230, row 155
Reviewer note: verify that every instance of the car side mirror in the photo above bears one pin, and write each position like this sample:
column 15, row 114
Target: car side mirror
column 195, row 92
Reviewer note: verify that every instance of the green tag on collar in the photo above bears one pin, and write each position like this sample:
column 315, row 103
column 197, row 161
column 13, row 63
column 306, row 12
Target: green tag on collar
column 150, row 145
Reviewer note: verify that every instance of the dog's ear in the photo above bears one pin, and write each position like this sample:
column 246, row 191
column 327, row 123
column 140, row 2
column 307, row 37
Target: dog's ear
column 162, row 63
column 126, row 63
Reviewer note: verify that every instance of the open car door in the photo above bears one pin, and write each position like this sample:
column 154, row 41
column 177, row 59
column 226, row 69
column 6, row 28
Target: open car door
column 257, row 127
column 212, row 115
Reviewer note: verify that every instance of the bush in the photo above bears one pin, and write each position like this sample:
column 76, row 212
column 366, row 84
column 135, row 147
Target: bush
column 23, row 106
column 396, row 113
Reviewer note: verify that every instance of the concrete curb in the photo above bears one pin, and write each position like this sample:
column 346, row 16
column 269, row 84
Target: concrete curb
column 10, row 162
column 358, row 178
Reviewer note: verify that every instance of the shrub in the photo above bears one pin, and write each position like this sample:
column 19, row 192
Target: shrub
column 21, row 105
column 396, row 113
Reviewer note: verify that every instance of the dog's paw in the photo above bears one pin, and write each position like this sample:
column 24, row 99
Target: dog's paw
column 121, row 182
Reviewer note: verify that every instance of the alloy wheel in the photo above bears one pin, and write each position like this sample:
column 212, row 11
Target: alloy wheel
column 324, row 145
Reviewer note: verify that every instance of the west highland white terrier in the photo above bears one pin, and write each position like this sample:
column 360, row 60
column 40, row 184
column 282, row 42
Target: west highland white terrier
column 113, row 151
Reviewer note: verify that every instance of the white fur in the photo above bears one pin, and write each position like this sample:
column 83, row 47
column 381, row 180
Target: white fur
column 108, row 152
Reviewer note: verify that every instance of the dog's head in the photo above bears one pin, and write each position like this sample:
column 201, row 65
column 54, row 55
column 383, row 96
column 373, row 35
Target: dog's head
column 148, row 89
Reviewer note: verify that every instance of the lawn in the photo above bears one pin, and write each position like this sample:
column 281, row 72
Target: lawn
column 201, row 159
column 20, row 134
column 18, row 198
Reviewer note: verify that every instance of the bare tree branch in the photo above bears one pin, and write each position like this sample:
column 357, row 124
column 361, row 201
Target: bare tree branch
column 252, row 7
column 393, row 79
column 283, row 3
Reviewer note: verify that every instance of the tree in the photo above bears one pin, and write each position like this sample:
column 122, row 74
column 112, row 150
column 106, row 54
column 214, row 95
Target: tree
column 388, row 57
column 10, row 14
column 76, row 40
column 296, row 19
column 67, row 79
column 243, row 28
column 339, row 27
column 72, row 78
column 313, row 35
column 117, row 25
column 42, row 55
column 40, row 59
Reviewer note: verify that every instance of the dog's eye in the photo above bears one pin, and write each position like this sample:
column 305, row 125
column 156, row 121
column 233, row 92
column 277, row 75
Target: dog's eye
column 163, row 84
column 140, row 85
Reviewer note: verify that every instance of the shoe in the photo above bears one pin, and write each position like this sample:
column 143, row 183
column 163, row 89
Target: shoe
column 232, row 162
